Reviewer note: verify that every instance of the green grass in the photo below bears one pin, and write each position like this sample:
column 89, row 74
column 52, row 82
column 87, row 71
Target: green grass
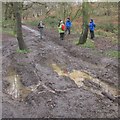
column 8, row 27
column 32, row 23
column 114, row 54
column 89, row 44
column 100, row 33
column 9, row 31
column 0, row 30
column 109, row 27
column 23, row 51
column 8, row 23
column 114, row 40
column 0, row 26
column 50, row 21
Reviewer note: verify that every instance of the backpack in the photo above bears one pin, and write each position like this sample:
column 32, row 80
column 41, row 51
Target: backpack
column 40, row 25
column 63, row 27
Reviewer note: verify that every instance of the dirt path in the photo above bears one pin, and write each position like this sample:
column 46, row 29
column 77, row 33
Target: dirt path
column 57, row 79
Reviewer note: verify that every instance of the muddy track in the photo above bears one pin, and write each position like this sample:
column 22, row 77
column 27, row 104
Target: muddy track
column 98, row 64
column 48, row 87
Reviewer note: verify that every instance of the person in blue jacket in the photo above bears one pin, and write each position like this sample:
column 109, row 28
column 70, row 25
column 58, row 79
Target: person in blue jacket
column 92, row 28
column 68, row 25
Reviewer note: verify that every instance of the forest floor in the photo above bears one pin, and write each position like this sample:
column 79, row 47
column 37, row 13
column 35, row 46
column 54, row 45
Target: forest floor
column 58, row 79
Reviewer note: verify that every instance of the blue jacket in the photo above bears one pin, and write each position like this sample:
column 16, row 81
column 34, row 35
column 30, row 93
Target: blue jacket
column 68, row 24
column 92, row 26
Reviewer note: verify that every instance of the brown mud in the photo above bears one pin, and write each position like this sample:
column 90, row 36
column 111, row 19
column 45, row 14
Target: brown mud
column 58, row 79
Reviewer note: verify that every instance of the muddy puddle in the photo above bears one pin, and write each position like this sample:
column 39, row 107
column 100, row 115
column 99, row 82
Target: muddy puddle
column 16, row 89
column 79, row 77
column 31, row 30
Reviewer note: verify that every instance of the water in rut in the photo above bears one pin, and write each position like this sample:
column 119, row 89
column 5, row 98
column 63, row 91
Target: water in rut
column 16, row 89
column 80, row 76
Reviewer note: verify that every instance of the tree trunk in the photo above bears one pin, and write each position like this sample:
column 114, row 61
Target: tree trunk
column 21, row 42
column 64, row 11
column 84, row 34
column 6, row 11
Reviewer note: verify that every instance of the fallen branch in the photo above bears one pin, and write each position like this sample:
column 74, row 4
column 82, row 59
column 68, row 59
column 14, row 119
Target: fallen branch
column 49, row 89
column 40, row 83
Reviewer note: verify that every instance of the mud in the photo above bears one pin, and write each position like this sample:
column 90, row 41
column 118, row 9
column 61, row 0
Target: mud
column 80, row 76
column 57, row 79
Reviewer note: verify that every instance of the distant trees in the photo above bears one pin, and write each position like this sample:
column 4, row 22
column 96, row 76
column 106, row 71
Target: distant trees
column 8, row 10
column 67, row 9
column 12, row 12
column 77, row 13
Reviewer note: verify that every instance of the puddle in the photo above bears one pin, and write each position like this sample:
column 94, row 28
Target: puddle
column 58, row 70
column 80, row 76
column 30, row 29
column 16, row 89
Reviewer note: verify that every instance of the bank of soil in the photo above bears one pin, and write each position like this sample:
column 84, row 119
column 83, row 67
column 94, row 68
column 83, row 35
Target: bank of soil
column 56, row 95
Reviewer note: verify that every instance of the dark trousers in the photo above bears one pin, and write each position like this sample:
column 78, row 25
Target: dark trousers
column 61, row 36
column 41, row 32
column 92, row 34
column 67, row 30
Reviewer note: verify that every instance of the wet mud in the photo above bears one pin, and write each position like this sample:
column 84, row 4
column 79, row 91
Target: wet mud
column 57, row 79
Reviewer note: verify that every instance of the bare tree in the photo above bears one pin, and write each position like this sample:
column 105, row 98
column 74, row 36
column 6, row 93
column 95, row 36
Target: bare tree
column 84, row 34
column 21, row 42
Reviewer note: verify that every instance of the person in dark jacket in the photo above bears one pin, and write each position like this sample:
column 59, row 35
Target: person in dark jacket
column 92, row 28
column 68, row 25
column 41, row 27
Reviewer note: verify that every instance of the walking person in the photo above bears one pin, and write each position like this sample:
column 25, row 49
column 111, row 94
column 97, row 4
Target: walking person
column 61, row 29
column 59, row 23
column 41, row 29
column 68, row 25
column 92, row 28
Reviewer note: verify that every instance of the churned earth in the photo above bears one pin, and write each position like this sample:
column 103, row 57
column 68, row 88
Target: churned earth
column 58, row 79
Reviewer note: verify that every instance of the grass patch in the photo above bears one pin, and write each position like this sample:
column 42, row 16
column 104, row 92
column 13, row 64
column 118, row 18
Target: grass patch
column 50, row 22
column 0, row 30
column 23, row 51
column 114, row 54
column 8, row 27
column 0, row 23
column 89, row 44
column 114, row 40
column 103, row 33
column 32, row 23
column 9, row 31
column 108, row 27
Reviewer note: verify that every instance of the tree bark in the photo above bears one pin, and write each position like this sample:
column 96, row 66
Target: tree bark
column 21, row 42
column 84, row 34
column 6, row 11
column 64, row 11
